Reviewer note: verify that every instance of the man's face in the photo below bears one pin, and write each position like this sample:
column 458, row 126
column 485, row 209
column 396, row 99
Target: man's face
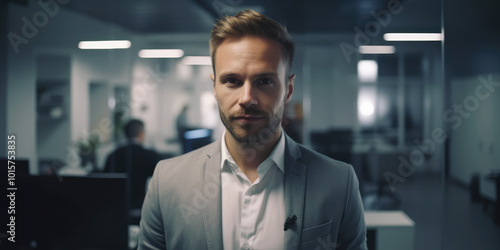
column 251, row 87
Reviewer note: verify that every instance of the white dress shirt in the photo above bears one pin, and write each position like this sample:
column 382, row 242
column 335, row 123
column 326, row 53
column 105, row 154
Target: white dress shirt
column 253, row 214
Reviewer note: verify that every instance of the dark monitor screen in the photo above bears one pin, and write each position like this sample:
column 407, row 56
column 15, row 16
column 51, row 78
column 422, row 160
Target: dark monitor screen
column 196, row 138
column 72, row 212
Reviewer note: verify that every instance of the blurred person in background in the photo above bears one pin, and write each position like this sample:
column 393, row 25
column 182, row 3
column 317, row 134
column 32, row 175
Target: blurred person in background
column 134, row 160
column 181, row 124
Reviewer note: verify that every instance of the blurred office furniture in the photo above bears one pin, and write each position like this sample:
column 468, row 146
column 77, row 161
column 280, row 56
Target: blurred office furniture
column 49, row 166
column 495, row 177
column 72, row 212
column 381, row 164
column 393, row 230
column 196, row 138
column 475, row 193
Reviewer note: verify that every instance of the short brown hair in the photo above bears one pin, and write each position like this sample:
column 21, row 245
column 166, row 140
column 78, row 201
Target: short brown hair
column 251, row 23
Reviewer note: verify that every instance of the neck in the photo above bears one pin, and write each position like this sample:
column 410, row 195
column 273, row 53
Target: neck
column 248, row 156
column 134, row 141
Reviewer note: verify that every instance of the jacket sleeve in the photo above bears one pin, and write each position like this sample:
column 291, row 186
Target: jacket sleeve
column 152, row 230
column 352, row 231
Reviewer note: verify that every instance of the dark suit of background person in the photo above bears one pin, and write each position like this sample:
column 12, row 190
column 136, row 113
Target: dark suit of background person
column 182, row 125
column 314, row 201
column 135, row 160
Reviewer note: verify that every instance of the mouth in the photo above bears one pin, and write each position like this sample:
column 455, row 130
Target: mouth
column 247, row 118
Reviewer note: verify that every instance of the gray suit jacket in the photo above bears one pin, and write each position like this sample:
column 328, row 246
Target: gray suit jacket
column 182, row 208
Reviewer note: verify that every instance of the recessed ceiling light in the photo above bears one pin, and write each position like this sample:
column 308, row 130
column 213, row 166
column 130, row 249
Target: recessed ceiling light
column 110, row 44
column 372, row 49
column 413, row 37
column 197, row 60
column 161, row 53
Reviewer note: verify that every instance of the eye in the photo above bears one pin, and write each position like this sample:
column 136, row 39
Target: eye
column 265, row 82
column 231, row 81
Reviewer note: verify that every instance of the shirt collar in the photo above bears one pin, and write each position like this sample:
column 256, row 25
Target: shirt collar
column 277, row 155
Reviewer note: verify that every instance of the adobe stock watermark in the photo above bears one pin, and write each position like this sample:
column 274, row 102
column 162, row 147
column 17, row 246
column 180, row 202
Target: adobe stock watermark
column 40, row 19
column 371, row 29
column 454, row 115
column 225, row 7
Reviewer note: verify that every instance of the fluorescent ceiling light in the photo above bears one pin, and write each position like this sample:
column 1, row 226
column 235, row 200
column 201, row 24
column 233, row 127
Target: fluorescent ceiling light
column 377, row 49
column 161, row 53
column 367, row 71
column 111, row 44
column 411, row 37
column 197, row 60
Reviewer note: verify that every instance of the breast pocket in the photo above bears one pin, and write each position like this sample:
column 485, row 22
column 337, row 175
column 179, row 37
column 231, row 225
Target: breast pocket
column 312, row 233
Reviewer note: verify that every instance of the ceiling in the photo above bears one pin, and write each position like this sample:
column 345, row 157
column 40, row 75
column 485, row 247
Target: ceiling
column 300, row 16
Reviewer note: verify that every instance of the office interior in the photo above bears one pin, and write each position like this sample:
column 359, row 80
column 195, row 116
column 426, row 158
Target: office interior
column 418, row 120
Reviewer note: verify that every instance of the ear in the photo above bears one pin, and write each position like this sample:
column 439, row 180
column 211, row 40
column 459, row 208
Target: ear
column 289, row 93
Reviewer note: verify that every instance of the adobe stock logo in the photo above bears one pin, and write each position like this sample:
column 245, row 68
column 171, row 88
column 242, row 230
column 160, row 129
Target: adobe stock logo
column 40, row 19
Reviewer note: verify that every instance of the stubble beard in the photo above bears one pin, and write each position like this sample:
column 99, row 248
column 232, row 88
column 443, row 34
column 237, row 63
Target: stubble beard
column 261, row 135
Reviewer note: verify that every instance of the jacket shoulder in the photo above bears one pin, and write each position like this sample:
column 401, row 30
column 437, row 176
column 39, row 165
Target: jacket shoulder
column 188, row 161
column 321, row 161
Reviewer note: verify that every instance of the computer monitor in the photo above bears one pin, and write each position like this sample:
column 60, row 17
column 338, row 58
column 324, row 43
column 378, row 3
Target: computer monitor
column 72, row 212
column 196, row 138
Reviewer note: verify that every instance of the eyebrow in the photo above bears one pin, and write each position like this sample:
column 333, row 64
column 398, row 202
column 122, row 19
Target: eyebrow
column 224, row 75
column 267, row 74
column 264, row 74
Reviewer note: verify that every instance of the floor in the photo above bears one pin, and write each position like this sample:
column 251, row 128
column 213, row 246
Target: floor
column 445, row 216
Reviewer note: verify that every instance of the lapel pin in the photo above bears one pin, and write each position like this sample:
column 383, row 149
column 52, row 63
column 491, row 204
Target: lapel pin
column 289, row 222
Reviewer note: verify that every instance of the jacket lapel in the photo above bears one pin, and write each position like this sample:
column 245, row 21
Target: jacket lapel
column 295, row 185
column 211, row 188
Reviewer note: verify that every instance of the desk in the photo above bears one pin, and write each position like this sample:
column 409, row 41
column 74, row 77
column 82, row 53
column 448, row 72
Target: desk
column 495, row 176
column 393, row 229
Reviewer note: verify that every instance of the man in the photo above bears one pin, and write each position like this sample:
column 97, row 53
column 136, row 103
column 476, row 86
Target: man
column 255, row 188
column 133, row 159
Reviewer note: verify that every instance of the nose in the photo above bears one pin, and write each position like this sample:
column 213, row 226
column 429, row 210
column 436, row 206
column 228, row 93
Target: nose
column 248, row 96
